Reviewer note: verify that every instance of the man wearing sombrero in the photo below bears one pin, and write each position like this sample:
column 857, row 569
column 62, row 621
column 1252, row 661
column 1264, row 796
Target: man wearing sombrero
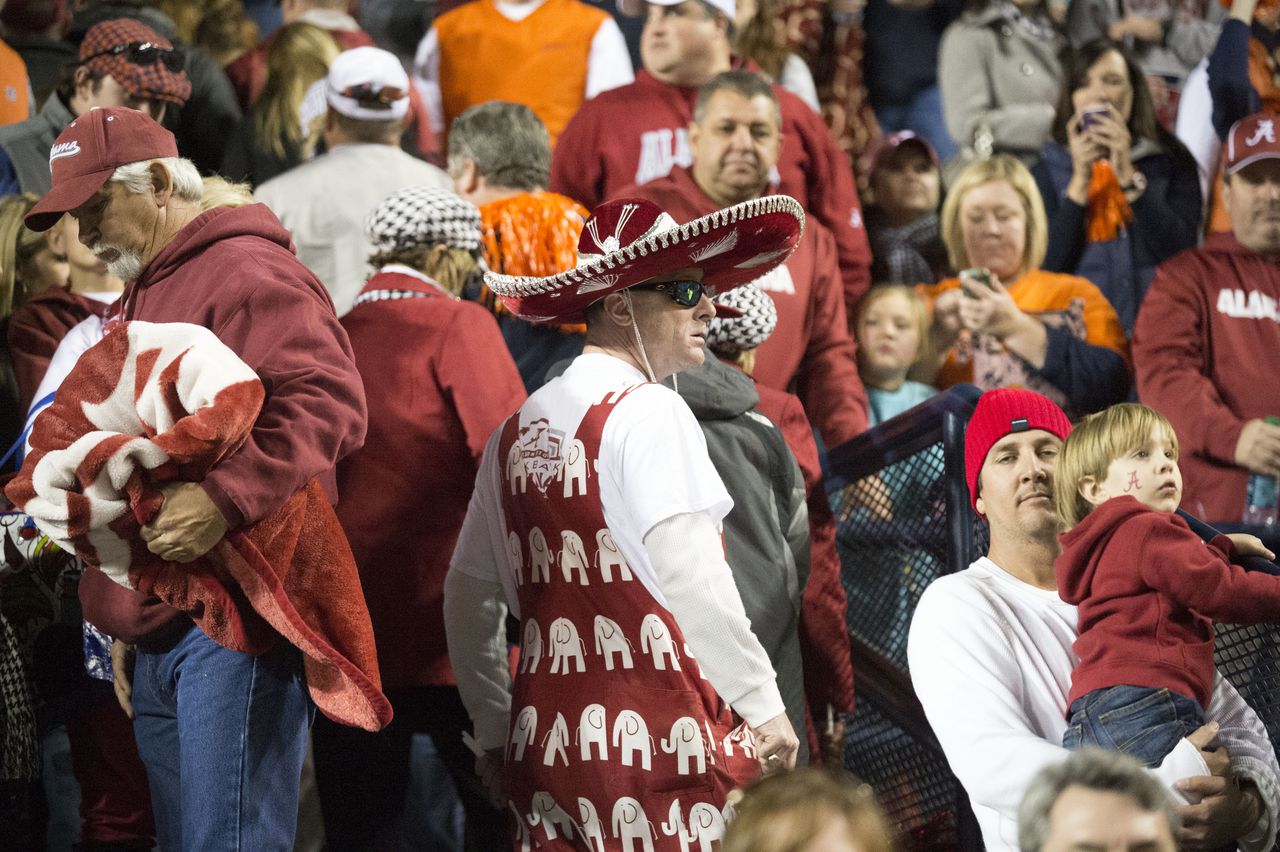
column 596, row 521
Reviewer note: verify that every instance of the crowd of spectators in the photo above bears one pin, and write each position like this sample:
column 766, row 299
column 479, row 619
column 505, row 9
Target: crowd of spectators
column 1079, row 198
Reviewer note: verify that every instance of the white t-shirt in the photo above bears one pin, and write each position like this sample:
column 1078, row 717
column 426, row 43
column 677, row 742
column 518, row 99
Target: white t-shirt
column 653, row 466
column 991, row 660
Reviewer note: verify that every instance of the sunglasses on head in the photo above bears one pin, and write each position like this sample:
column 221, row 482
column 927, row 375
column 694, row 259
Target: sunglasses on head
column 144, row 53
column 374, row 96
column 684, row 293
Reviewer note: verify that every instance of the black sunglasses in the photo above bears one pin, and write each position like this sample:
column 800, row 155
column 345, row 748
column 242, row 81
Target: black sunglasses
column 144, row 53
column 684, row 293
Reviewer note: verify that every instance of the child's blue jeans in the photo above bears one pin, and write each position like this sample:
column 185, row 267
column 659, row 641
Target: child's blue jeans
column 1142, row 722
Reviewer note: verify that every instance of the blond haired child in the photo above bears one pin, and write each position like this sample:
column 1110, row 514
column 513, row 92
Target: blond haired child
column 891, row 326
column 1147, row 588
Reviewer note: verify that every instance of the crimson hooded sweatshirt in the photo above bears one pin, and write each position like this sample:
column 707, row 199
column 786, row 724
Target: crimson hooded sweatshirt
column 234, row 271
column 639, row 132
column 1205, row 349
column 1148, row 590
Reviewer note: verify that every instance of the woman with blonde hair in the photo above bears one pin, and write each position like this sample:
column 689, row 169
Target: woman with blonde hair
column 275, row 136
column 1005, row 322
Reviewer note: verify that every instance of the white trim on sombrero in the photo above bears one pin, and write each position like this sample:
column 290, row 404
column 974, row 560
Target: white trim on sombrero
column 520, row 286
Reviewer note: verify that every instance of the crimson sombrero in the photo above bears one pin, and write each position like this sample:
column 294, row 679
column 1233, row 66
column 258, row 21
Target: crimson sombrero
column 630, row 241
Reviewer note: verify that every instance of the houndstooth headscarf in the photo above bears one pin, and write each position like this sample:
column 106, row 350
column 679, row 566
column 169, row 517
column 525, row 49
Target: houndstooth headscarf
column 759, row 318
column 424, row 216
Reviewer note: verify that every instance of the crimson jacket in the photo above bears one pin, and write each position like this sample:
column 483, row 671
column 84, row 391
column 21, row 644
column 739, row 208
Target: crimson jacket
column 36, row 329
column 1147, row 588
column 439, row 380
column 1205, row 348
column 810, row 352
column 639, row 132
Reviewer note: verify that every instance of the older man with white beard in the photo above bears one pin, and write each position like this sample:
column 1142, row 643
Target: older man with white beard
column 224, row 744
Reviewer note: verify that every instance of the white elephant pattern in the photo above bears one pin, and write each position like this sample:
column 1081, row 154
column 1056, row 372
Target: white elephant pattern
column 515, row 468
column 555, row 741
column 522, row 830
column 592, row 730
column 744, row 738
column 655, row 639
column 631, row 822
column 574, row 469
column 611, row 640
column 531, row 647
column 539, row 557
column 523, row 732
column 592, row 832
column 675, row 826
column 686, row 744
column 517, row 557
column 566, row 647
column 631, row 734
column 706, row 825
column 553, row 818
column 608, row 557
column 573, row 555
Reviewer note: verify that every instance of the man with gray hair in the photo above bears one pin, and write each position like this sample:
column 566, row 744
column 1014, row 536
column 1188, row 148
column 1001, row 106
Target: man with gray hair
column 1100, row 800
column 222, row 733
column 500, row 161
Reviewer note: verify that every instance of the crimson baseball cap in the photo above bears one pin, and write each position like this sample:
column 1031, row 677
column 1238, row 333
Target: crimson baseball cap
column 1252, row 138
column 1001, row 412
column 89, row 150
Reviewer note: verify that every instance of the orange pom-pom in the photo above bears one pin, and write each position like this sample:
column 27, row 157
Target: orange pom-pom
column 1107, row 210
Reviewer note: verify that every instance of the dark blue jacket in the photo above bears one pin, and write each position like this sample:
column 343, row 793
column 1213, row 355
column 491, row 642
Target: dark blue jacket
column 1166, row 220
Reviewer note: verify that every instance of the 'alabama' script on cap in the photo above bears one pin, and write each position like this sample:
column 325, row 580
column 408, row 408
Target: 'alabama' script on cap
column 63, row 149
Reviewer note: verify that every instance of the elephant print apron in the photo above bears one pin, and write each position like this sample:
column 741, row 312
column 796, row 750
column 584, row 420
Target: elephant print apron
column 617, row 743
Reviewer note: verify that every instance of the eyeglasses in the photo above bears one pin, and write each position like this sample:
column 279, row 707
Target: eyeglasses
column 144, row 53
column 684, row 293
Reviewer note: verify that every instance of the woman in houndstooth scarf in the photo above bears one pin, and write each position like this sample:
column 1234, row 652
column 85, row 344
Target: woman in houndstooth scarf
column 438, row 380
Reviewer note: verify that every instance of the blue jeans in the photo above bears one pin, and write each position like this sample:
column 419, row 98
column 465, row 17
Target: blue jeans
column 923, row 115
column 223, row 736
column 1142, row 722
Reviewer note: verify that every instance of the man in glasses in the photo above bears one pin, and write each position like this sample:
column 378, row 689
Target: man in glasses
column 736, row 139
column 596, row 520
column 121, row 63
column 325, row 202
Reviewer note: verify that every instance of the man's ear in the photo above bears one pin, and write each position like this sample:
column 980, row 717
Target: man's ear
column 618, row 309
column 161, row 184
column 1091, row 490
column 468, row 180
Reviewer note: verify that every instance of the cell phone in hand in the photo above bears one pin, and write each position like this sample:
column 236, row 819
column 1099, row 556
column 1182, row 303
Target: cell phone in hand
column 979, row 275
column 1092, row 116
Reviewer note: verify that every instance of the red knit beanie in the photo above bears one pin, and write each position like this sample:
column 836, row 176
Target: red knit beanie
column 1002, row 412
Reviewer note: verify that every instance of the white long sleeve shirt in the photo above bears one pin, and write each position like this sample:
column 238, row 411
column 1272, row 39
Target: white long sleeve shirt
column 991, row 660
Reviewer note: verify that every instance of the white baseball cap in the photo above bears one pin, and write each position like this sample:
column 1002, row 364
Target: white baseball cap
column 635, row 8
column 369, row 84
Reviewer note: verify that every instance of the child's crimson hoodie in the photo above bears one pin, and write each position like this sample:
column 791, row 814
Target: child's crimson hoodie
column 1148, row 590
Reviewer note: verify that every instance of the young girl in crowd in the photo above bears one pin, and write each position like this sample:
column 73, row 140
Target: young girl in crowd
column 1147, row 587
column 891, row 327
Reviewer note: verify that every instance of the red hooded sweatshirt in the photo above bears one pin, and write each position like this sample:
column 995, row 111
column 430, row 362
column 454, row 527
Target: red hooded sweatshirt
column 1205, row 348
column 1148, row 590
column 639, row 132
column 811, row 351
column 233, row 271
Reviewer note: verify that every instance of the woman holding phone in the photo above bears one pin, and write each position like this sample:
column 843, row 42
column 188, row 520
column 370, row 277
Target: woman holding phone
column 1121, row 193
column 1005, row 321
